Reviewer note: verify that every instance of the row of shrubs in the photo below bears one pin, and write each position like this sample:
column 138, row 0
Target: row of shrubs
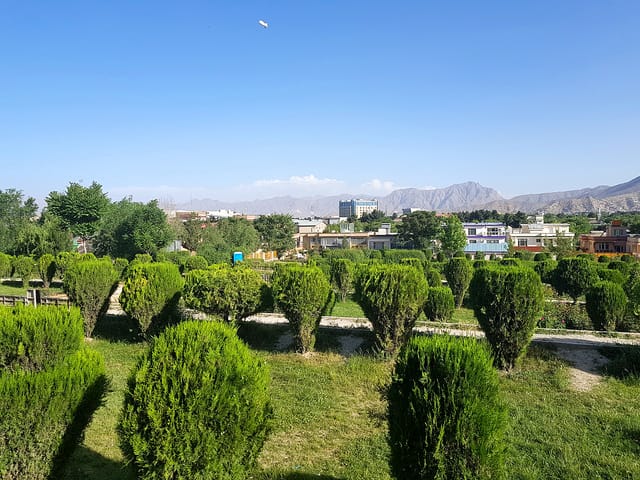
column 50, row 384
column 197, row 405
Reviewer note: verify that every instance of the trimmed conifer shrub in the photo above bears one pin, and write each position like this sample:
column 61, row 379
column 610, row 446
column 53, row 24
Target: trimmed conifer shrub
column 342, row 276
column 37, row 338
column 440, row 304
column 234, row 293
column 150, row 293
column 197, row 405
column 6, row 265
column 89, row 284
column 301, row 293
column 49, row 410
column 49, row 387
column 121, row 264
column 64, row 260
column 574, row 275
column 392, row 297
column 23, row 267
column 606, row 305
column 458, row 272
column 433, row 276
column 507, row 301
column 546, row 270
column 446, row 415
column 47, row 268
column 397, row 255
column 194, row 262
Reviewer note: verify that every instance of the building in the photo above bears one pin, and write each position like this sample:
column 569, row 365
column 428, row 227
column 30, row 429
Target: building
column 356, row 207
column 486, row 239
column 533, row 237
column 614, row 240
column 383, row 239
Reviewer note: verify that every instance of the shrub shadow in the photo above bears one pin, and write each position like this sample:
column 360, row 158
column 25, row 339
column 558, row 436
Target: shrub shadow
column 85, row 463
column 117, row 328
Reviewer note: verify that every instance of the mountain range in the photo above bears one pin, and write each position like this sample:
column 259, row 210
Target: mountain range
column 454, row 198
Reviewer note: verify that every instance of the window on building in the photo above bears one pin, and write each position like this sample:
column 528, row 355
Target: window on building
column 473, row 241
column 522, row 242
column 493, row 231
column 492, row 241
column 538, row 240
column 471, row 231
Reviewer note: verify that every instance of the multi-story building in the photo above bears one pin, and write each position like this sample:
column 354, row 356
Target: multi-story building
column 489, row 238
column 356, row 207
column 614, row 240
column 535, row 236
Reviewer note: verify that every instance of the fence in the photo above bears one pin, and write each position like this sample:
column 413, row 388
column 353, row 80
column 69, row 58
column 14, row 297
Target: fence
column 33, row 297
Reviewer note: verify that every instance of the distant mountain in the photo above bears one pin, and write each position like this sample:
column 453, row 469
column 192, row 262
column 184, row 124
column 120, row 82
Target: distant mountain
column 455, row 198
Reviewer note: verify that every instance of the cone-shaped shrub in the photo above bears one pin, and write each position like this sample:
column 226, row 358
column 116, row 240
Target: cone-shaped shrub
column 434, row 279
column 342, row 275
column 89, row 284
column 507, row 301
column 301, row 293
column 47, row 268
column 440, row 304
column 151, row 292
column 446, row 415
column 234, row 293
column 196, row 405
column 606, row 305
column 392, row 297
column 546, row 270
column 23, row 267
column 458, row 272
column 574, row 275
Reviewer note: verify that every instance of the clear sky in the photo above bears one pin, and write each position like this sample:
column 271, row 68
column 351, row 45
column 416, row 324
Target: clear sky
column 178, row 100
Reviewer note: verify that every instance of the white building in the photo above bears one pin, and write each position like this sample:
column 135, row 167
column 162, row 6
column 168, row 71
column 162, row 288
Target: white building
column 535, row 236
column 486, row 239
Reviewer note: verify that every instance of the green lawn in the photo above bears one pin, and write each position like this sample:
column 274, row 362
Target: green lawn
column 330, row 416
column 15, row 288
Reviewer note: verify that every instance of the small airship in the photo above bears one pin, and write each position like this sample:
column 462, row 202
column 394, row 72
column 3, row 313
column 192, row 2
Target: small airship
column 263, row 23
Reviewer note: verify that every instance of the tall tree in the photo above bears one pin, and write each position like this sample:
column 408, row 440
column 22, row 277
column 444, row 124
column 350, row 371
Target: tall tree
column 420, row 229
column 16, row 213
column 452, row 237
column 276, row 232
column 129, row 228
column 227, row 236
column 79, row 208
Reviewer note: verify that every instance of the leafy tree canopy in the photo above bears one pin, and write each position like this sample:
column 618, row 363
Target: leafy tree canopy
column 229, row 235
column 276, row 232
column 452, row 237
column 129, row 228
column 16, row 213
column 420, row 229
column 79, row 208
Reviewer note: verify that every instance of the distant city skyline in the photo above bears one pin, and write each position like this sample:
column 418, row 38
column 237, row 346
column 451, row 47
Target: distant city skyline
column 196, row 100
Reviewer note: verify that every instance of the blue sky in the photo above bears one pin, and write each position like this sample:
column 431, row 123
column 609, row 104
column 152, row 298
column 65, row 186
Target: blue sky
column 194, row 99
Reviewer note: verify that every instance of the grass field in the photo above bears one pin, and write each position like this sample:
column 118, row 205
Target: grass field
column 330, row 415
column 15, row 288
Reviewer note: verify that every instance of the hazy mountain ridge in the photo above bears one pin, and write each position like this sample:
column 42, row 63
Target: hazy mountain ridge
column 455, row 198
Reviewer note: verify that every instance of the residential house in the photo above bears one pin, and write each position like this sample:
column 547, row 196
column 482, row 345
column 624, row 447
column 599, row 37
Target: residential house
column 614, row 239
column 533, row 237
column 486, row 239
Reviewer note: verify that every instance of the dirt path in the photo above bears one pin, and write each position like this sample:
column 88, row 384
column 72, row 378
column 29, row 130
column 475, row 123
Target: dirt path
column 579, row 349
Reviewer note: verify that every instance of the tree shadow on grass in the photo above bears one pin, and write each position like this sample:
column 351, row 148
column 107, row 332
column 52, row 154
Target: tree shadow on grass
column 117, row 328
column 85, row 463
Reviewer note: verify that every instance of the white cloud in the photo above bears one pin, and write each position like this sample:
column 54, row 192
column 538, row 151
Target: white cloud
column 294, row 186
column 380, row 186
